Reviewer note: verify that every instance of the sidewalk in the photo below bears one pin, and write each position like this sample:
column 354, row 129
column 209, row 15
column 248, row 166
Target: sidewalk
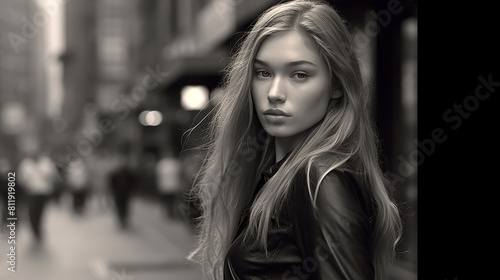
column 92, row 247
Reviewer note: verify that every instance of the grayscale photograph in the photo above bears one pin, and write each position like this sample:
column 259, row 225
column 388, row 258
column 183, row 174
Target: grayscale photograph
column 211, row 139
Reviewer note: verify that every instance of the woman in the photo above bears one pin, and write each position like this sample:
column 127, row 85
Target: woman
column 291, row 187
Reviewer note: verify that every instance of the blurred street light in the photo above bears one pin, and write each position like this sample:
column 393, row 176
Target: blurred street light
column 194, row 97
column 150, row 118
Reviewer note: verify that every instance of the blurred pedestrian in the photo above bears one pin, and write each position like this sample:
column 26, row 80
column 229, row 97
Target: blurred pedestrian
column 122, row 182
column 291, row 186
column 169, row 183
column 37, row 174
column 60, row 184
column 77, row 180
column 101, row 164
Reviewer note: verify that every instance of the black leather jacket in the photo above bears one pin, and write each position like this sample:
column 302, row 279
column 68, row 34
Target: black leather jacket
column 330, row 242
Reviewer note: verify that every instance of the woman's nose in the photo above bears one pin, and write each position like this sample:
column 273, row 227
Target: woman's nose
column 276, row 92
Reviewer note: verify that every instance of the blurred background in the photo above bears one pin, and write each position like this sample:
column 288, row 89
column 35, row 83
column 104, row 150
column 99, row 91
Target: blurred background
column 95, row 98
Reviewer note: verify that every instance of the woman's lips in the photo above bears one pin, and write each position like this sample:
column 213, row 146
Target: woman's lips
column 276, row 113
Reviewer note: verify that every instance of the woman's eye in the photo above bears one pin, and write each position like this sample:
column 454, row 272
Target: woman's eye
column 263, row 74
column 300, row 76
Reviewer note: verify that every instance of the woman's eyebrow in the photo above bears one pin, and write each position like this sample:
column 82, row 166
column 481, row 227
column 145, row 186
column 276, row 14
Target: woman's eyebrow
column 300, row 62
column 261, row 62
column 289, row 64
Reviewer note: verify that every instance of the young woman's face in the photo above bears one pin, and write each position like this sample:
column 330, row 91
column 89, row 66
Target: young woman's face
column 290, row 85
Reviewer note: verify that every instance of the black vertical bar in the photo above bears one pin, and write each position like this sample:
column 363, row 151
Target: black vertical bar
column 388, row 86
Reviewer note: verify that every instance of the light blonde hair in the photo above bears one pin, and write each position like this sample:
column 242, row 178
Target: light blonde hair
column 239, row 149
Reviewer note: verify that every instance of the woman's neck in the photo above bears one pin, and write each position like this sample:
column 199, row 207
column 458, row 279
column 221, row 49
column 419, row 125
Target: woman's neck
column 283, row 145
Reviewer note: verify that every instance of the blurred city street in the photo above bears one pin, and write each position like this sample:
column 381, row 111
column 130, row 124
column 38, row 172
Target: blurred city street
column 93, row 247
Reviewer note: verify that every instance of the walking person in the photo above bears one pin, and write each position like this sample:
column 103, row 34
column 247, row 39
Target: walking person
column 122, row 182
column 77, row 180
column 37, row 176
column 169, row 183
column 291, row 187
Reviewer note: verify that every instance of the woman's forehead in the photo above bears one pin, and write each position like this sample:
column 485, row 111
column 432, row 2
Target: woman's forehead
column 288, row 46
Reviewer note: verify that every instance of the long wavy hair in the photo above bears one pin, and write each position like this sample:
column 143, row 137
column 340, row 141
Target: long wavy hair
column 238, row 149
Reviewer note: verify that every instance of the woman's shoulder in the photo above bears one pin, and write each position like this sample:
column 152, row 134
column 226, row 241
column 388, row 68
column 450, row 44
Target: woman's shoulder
column 329, row 188
column 343, row 176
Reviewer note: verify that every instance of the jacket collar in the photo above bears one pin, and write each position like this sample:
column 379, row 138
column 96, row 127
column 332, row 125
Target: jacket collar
column 267, row 174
